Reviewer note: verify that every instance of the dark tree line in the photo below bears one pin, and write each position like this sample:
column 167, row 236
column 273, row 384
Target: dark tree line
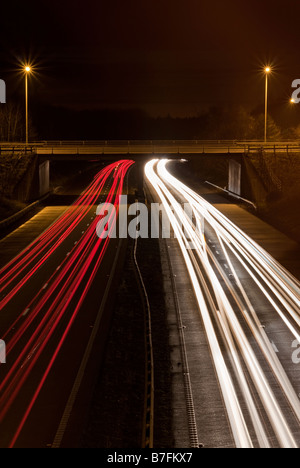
column 215, row 124
column 232, row 123
column 12, row 123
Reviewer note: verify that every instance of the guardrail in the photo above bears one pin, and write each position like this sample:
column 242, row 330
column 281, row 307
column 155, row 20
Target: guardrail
column 243, row 143
column 150, row 147
column 19, row 215
column 17, row 149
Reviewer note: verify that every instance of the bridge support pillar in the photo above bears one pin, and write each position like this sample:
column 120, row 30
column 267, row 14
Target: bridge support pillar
column 235, row 177
column 44, row 178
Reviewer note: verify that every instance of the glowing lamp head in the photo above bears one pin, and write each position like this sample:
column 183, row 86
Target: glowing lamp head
column 27, row 69
column 267, row 69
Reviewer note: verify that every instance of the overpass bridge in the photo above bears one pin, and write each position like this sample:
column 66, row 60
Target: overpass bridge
column 138, row 148
column 236, row 152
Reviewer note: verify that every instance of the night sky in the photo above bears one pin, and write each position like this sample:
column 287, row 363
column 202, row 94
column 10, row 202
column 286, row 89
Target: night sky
column 162, row 56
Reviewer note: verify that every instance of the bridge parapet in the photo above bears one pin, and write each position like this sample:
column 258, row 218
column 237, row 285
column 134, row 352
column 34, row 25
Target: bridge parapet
column 151, row 147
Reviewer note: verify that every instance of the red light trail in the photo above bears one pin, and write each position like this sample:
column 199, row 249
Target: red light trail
column 55, row 307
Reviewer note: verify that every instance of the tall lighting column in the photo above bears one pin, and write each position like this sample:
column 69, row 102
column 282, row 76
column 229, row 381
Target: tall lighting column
column 267, row 72
column 27, row 70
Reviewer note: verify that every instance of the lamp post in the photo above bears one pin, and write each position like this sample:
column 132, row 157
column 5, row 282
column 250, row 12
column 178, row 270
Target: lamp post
column 27, row 71
column 267, row 72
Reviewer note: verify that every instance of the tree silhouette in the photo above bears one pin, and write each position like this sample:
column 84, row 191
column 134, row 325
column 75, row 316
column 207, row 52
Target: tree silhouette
column 12, row 124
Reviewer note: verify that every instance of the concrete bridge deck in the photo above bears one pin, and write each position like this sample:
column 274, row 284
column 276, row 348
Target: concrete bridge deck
column 153, row 148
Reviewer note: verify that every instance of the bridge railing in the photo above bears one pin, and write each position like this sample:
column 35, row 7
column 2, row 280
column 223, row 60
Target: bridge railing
column 150, row 142
column 149, row 146
column 17, row 148
column 134, row 143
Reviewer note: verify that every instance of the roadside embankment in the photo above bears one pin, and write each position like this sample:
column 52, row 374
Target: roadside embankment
column 272, row 180
column 13, row 170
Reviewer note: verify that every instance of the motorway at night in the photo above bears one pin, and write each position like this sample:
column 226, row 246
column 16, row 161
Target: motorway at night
column 149, row 227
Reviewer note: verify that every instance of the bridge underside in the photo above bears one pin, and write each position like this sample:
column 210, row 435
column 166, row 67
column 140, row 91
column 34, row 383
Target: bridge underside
column 241, row 176
column 134, row 156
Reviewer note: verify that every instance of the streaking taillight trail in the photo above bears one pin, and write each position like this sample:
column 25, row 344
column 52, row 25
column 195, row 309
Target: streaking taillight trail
column 53, row 309
column 46, row 244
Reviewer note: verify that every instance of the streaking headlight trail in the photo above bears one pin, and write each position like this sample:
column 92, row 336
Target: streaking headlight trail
column 230, row 318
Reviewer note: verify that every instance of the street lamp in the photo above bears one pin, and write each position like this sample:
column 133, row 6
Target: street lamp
column 27, row 70
column 267, row 72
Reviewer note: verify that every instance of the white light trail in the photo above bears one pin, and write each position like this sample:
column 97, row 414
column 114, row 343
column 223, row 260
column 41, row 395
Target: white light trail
column 273, row 281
